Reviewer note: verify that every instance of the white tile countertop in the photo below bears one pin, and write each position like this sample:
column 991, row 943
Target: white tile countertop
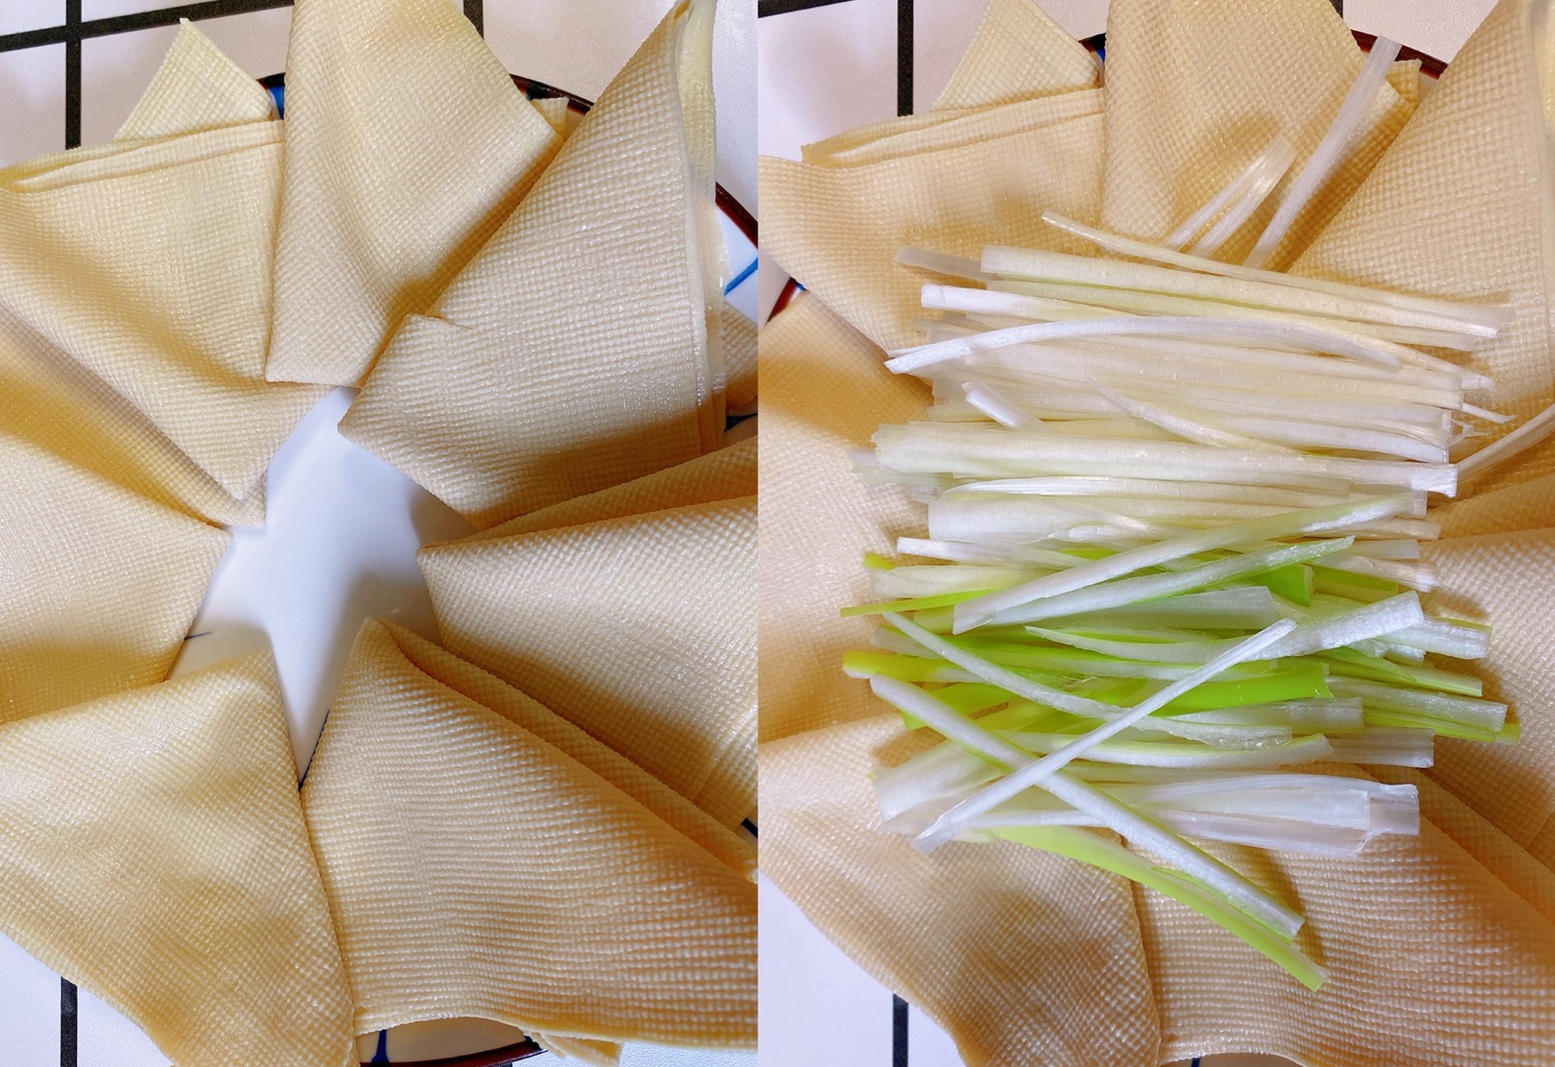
column 343, row 527
column 826, row 67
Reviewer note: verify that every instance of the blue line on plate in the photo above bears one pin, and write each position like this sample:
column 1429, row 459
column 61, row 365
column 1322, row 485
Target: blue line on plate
column 278, row 93
column 381, row 1055
column 739, row 279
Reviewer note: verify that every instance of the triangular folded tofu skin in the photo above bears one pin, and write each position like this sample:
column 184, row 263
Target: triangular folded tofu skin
column 522, row 710
column 197, row 88
column 153, row 850
column 837, row 229
column 100, row 584
column 827, row 391
column 641, row 630
column 579, row 348
column 1018, row 53
column 1463, row 206
column 49, row 399
column 53, row 401
column 475, row 870
column 407, row 145
column 148, row 262
column 721, row 475
column 1499, row 579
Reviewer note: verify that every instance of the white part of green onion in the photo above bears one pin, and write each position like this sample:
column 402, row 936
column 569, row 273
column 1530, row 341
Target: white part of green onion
column 1330, row 150
column 1405, row 747
column 971, row 451
column 1145, row 833
column 1446, row 638
column 1418, row 576
column 916, row 581
column 1220, row 879
column 941, row 263
column 1072, row 300
column 1488, row 416
column 1236, row 189
column 1426, row 448
column 1316, row 715
column 1466, row 711
column 999, row 408
column 1183, row 375
column 1185, row 427
column 992, row 302
column 1150, row 489
column 1519, row 440
column 1302, row 337
column 1279, row 156
column 1029, row 264
column 1366, row 622
column 1182, row 755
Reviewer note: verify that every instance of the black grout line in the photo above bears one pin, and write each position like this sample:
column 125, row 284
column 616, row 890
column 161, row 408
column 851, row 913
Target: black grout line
column 782, row 7
column 898, row 1031
column 475, row 11
column 67, row 1023
column 140, row 20
column 73, row 73
column 904, row 55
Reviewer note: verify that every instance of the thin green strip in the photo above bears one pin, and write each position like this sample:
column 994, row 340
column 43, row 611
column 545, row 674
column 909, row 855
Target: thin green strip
column 1109, row 856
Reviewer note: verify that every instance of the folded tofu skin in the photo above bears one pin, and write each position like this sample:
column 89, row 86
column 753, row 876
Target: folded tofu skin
column 155, row 853
column 522, row 388
column 1155, row 524
column 524, row 844
column 475, row 869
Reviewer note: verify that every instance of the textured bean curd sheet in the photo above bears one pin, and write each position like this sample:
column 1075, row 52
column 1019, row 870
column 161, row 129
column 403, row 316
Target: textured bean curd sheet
column 1440, row 947
column 542, row 831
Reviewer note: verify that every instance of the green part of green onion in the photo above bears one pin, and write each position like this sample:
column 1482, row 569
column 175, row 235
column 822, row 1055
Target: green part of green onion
column 1097, row 851
column 942, row 600
column 1294, row 582
column 1352, row 664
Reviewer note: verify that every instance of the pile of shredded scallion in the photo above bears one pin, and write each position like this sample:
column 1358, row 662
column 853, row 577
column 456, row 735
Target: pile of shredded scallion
column 1175, row 509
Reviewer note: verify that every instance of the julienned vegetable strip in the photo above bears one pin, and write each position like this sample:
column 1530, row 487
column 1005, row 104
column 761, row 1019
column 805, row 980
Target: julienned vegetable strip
column 1312, row 338
column 1323, row 310
column 993, row 452
column 1051, row 301
column 1267, row 167
column 1276, row 160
